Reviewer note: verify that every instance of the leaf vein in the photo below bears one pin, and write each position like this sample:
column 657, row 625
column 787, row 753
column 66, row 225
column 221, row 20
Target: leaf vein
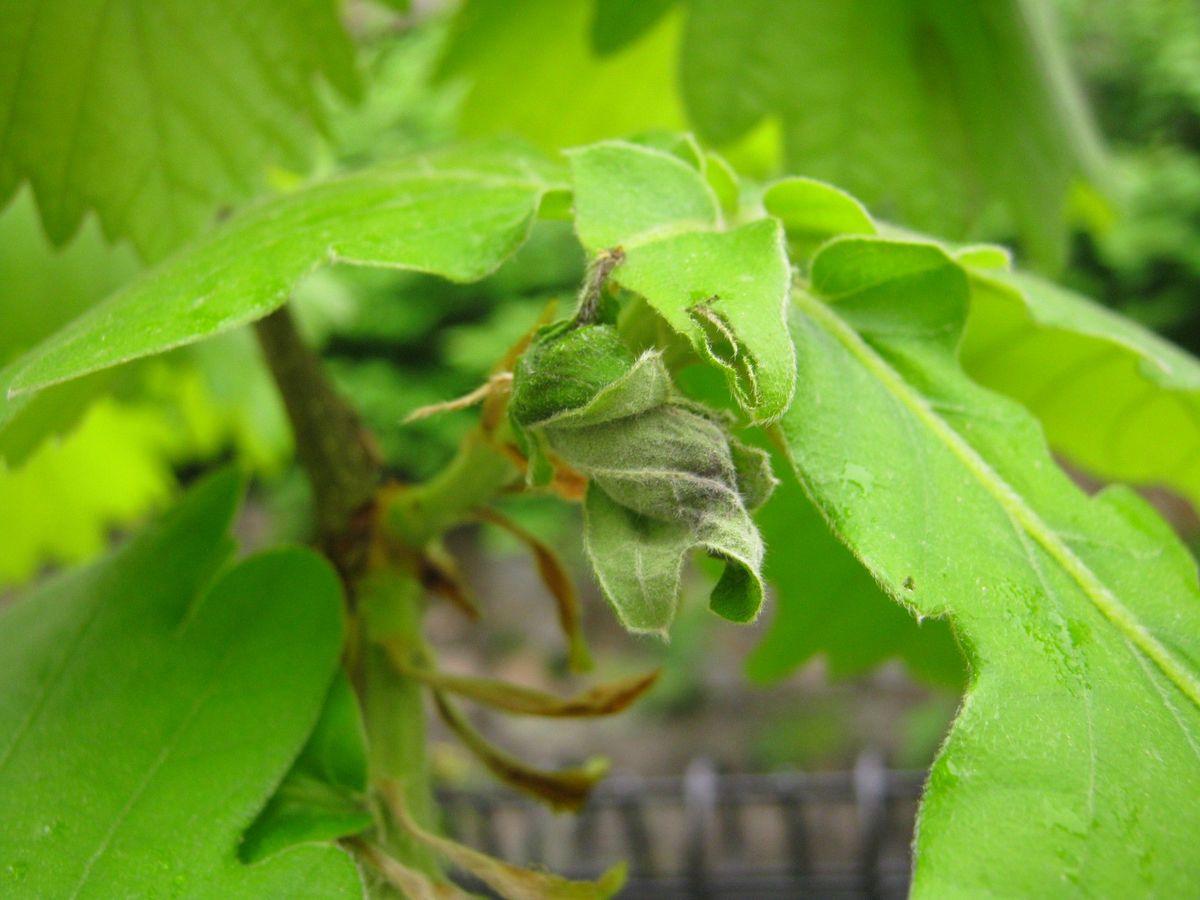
column 1008, row 499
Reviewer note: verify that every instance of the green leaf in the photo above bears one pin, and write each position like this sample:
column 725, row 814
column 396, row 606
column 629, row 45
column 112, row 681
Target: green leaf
column 323, row 797
column 530, row 70
column 153, row 114
column 57, row 509
column 44, row 288
column 626, row 193
column 1114, row 398
column 813, row 211
column 41, row 291
column 664, row 476
column 824, row 603
column 1072, row 765
column 617, row 23
column 458, row 215
column 934, row 113
column 149, row 710
column 725, row 290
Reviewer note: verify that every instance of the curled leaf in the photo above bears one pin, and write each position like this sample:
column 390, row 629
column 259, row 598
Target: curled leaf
column 440, row 574
column 667, row 215
column 602, row 700
column 506, row 879
column 558, row 582
column 567, row 789
column 322, row 797
column 665, row 475
column 498, row 382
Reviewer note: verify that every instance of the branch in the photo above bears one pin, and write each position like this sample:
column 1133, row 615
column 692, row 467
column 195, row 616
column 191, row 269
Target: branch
column 334, row 449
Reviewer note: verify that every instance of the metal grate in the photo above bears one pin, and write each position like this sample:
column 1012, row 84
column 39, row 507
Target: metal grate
column 712, row 836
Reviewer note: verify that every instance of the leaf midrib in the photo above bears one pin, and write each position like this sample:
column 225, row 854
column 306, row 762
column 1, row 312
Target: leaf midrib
column 1105, row 601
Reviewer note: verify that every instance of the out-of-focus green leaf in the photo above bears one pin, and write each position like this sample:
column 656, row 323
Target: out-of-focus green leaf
column 149, row 710
column 153, row 114
column 166, row 413
column 60, row 506
column 1114, row 398
column 43, row 289
column 323, row 797
column 617, row 23
column 1072, row 765
column 458, row 215
column 958, row 118
column 530, row 71
column 400, row 112
column 725, row 290
column 939, row 113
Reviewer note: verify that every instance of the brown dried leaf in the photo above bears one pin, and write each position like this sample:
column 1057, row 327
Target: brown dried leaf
column 602, row 700
column 558, row 582
column 565, row 789
column 440, row 574
column 506, row 879
column 411, row 883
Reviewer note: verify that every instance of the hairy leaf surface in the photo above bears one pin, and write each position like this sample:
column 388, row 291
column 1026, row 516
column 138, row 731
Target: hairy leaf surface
column 151, row 705
column 723, row 289
column 152, row 114
column 1075, row 759
column 664, row 476
column 824, row 602
column 458, row 215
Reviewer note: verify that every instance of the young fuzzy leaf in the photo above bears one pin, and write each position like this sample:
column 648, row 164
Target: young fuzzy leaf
column 149, row 710
column 813, row 211
column 1073, row 763
column 664, row 476
column 724, row 290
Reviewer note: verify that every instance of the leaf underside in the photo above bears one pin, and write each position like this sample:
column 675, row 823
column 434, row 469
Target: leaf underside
column 152, row 114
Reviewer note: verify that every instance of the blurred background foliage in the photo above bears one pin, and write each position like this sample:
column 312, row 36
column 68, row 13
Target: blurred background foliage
column 967, row 120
